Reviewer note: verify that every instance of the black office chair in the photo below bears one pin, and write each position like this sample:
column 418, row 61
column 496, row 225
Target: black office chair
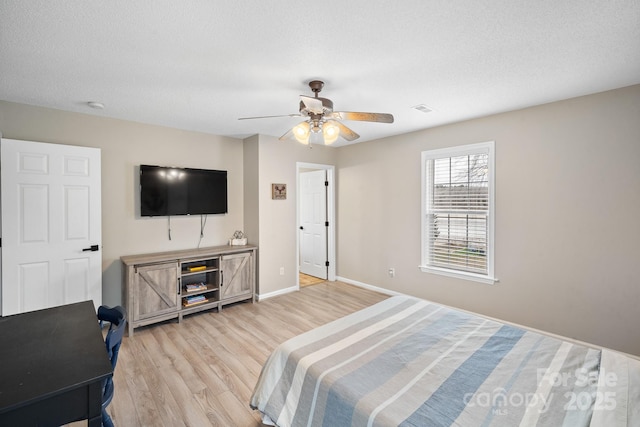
column 117, row 321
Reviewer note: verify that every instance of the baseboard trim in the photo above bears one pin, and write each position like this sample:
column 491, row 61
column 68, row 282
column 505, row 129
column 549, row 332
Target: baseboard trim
column 517, row 325
column 390, row 292
column 368, row 286
column 262, row 297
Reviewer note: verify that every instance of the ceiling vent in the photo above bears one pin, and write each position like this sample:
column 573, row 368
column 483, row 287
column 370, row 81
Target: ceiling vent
column 422, row 108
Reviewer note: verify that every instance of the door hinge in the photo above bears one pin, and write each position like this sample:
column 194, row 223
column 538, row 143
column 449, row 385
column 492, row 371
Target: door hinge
column 326, row 263
column 326, row 183
column 326, row 223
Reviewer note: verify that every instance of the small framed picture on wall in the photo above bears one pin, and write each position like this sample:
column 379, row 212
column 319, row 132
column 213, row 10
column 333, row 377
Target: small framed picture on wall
column 279, row 191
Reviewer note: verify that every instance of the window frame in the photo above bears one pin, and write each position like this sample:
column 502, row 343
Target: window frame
column 461, row 150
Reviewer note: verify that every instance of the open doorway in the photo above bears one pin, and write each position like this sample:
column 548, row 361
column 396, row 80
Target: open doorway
column 315, row 223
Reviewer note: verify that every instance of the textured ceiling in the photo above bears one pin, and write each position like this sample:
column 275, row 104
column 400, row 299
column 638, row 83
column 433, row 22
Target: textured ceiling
column 200, row 65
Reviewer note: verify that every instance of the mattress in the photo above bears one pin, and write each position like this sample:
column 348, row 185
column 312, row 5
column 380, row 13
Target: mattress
column 409, row 362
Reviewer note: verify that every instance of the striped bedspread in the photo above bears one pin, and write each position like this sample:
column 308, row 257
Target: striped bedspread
column 409, row 362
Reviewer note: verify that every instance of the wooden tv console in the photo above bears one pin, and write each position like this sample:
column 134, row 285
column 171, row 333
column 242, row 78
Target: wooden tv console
column 168, row 285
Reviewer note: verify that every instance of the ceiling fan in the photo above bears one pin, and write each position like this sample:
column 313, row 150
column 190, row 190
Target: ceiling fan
column 323, row 124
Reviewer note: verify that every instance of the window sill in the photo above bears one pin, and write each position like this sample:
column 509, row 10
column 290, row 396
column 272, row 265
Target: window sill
column 459, row 274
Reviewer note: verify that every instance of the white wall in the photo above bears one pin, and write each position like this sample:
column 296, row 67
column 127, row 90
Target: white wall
column 124, row 146
column 567, row 217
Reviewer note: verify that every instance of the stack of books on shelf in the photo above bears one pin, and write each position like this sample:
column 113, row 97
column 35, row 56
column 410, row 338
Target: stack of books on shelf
column 193, row 300
column 193, row 287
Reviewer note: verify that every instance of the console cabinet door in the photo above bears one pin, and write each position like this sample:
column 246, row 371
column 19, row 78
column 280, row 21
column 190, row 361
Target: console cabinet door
column 236, row 275
column 156, row 290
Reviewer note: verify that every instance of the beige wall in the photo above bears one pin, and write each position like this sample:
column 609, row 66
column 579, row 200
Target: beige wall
column 251, row 203
column 277, row 218
column 252, row 165
column 568, row 203
column 124, row 146
column 567, row 217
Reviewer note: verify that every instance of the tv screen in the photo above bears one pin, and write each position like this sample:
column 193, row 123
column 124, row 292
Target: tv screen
column 168, row 191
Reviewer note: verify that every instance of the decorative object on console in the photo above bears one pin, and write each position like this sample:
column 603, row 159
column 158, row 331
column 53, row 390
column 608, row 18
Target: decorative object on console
column 238, row 239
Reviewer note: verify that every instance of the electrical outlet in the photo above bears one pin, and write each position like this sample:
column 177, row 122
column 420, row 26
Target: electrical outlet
column 282, row 271
column 392, row 272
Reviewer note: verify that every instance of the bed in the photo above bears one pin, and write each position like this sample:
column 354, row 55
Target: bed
column 409, row 362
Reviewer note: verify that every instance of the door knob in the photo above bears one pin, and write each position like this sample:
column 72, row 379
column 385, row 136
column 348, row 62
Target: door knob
column 92, row 248
column 301, row 228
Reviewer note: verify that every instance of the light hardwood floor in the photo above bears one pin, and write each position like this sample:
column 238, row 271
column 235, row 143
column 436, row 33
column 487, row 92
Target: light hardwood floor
column 306, row 280
column 201, row 372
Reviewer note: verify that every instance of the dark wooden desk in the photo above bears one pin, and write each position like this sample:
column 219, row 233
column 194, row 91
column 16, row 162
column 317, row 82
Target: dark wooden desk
column 52, row 364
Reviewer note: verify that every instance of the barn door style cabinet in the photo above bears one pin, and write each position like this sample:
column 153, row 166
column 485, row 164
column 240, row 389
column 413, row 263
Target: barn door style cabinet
column 169, row 285
column 235, row 276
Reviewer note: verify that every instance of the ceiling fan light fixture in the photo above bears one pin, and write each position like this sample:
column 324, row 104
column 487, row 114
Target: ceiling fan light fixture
column 301, row 132
column 316, row 135
column 323, row 125
column 330, row 132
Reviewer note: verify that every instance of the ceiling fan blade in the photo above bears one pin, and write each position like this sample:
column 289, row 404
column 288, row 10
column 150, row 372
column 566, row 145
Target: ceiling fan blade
column 287, row 135
column 314, row 105
column 363, row 117
column 269, row 117
column 347, row 133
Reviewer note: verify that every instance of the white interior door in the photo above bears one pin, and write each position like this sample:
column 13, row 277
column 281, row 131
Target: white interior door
column 51, row 225
column 313, row 229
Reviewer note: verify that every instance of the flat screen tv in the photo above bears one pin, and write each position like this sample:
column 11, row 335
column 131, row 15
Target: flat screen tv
column 168, row 191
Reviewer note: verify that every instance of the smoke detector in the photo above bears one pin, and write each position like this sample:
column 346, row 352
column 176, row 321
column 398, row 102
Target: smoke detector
column 96, row 105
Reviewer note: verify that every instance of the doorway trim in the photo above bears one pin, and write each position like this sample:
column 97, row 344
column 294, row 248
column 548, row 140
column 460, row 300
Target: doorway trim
column 331, row 217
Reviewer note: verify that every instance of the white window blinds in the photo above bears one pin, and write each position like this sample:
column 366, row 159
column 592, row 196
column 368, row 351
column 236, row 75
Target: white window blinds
column 458, row 209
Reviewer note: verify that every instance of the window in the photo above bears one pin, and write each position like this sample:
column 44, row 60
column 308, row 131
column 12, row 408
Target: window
column 458, row 211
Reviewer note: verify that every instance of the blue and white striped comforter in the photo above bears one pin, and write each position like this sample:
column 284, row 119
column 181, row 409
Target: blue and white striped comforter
column 409, row 362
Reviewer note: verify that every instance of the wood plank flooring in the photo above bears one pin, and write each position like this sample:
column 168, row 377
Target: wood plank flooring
column 306, row 280
column 201, row 372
